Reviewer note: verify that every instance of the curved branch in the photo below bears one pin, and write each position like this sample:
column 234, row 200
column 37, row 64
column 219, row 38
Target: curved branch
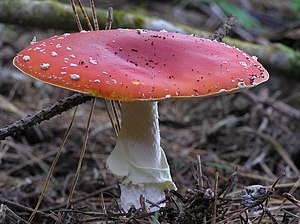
column 45, row 114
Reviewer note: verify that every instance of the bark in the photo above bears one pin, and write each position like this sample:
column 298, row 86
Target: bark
column 52, row 14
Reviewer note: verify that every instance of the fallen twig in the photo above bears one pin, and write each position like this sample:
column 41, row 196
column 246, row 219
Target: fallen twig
column 45, row 114
column 7, row 216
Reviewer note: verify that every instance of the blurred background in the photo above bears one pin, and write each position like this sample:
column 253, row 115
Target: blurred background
column 257, row 130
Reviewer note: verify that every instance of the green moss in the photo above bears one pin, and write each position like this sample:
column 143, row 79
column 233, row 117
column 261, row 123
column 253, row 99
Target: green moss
column 291, row 58
column 124, row 19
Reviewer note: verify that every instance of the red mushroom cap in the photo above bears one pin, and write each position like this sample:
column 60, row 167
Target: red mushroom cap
column 130, row 65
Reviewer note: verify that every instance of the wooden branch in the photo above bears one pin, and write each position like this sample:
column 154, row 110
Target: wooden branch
column 45, row 114
column 7, row 216
column 6, row 205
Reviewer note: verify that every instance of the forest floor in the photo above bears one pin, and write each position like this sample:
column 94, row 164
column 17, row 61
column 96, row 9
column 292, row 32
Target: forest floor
column 246, row 141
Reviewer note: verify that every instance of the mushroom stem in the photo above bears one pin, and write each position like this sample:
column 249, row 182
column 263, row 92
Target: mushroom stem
column 138, row 158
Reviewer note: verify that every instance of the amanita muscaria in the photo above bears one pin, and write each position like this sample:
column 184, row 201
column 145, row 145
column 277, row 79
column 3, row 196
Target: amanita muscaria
column 139, row 68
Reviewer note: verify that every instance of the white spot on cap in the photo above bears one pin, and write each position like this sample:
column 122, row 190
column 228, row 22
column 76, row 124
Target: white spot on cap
column 53, row 54
column 58, row 46
column 168, row 96
column 68, row 48
column 26, row 57
column 93, row 61
column 75, row 76
column 96, row 81
column 63, row 73
column 244, row 64
column 72, row 56
column 241, row 85
column 104, row 72
column 45, row 66
column 73, row 65
column 255, row 58
column 141, row 31
column 237, row 79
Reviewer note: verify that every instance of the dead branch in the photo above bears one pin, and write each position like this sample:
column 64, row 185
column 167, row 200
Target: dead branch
column 45, row 114
column 8, row 216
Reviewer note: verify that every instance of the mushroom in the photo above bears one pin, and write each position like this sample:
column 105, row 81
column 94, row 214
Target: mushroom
column 139, row 68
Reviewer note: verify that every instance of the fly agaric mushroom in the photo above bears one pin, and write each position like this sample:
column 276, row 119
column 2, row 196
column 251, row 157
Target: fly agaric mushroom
column 140, row 67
